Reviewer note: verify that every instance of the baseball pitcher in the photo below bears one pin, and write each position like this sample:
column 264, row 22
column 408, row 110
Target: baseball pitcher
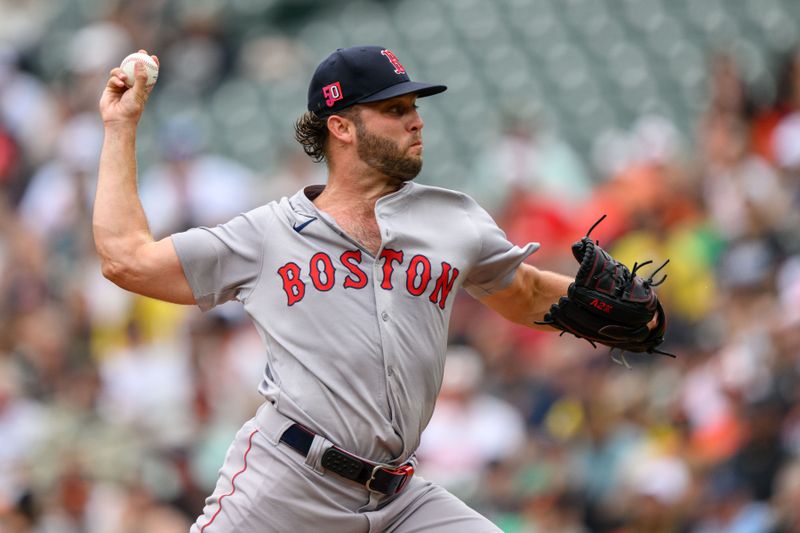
column 350, row 285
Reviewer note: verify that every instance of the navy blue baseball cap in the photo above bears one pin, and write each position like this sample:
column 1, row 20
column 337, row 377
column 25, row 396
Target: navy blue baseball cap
column 358, row 75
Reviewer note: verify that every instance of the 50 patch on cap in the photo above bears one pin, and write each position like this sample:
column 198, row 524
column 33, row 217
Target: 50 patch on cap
column 332, row 93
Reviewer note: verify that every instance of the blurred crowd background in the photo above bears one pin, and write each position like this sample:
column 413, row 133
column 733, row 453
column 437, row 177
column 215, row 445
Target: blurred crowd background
column 680, row 119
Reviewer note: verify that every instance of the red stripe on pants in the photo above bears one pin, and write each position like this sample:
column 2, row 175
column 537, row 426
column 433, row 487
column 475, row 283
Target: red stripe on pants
column 233, row 480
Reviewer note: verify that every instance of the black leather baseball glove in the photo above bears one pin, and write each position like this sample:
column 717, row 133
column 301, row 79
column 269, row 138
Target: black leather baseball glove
column 609, row 304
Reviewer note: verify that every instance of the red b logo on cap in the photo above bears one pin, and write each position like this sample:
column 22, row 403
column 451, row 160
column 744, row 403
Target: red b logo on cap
column 332, row 93
column 398, row 68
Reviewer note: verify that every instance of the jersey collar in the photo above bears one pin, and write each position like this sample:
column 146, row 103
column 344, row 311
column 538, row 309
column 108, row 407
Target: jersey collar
column 303, row 200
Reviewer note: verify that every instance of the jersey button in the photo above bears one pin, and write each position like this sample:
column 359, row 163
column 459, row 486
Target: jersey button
column 385, row 316
column 390, row 371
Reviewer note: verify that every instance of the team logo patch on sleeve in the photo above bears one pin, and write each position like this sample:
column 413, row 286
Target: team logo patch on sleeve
column 398, row 68
column 332, row 93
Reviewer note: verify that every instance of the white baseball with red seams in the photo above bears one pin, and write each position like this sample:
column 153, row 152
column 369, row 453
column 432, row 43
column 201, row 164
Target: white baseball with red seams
column 151, row 67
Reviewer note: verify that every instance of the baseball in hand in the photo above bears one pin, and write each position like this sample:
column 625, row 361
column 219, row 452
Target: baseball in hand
column 150, row 66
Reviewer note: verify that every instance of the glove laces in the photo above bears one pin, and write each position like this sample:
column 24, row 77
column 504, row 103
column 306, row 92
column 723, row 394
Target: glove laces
column 649, row 280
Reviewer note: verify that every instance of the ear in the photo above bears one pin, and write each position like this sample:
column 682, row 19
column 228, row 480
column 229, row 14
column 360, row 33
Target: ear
column 342, row 129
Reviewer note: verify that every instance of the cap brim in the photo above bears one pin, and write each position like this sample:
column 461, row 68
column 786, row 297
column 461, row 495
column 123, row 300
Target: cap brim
column 406, row 87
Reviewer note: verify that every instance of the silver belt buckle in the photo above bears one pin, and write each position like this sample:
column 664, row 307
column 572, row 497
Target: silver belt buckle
column 372, row 478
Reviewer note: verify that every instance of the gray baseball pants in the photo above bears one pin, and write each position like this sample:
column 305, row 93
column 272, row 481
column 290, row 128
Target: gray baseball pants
column 265, row 486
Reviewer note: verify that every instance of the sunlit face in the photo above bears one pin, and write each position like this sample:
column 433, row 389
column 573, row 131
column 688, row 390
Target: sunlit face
column 389, row 136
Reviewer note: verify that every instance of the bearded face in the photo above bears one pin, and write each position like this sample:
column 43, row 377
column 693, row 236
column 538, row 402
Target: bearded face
column 385, row 155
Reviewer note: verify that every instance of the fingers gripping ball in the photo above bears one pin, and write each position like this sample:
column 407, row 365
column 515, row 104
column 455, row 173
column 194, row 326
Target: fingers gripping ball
column 609, row 304
column 151, row 68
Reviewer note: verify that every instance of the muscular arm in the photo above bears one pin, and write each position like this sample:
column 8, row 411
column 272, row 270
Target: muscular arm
column 129, row 255
column 529, row 296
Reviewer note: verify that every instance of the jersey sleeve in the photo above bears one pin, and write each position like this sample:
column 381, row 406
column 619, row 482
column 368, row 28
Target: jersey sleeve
column 498, row 259
column 224, row 262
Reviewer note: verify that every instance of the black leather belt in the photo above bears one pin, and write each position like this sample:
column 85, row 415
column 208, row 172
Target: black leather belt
column 384, row 479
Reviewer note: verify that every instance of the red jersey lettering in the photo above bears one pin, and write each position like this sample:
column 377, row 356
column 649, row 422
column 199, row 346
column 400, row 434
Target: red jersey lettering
column 444, row 285
column 418, row 287
column 294, row 288
column 351, row 259
column 327, row 271
column 389, row 256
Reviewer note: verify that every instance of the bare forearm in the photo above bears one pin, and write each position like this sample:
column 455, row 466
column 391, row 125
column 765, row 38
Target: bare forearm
column 548, row 288
column 119, row 222
column 529, row 296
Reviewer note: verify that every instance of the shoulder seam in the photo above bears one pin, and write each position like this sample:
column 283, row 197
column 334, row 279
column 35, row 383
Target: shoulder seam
column 464, row 201
column 260, row 267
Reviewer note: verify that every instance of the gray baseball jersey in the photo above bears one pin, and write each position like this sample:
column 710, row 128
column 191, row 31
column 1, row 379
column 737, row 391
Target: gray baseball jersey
column 354, row 343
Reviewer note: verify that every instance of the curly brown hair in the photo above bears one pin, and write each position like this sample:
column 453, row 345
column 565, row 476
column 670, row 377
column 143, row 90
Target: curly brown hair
column 311, row 131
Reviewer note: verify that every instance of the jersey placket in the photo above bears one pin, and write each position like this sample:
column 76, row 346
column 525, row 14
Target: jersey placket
column 383, row 301
column 381, row 315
